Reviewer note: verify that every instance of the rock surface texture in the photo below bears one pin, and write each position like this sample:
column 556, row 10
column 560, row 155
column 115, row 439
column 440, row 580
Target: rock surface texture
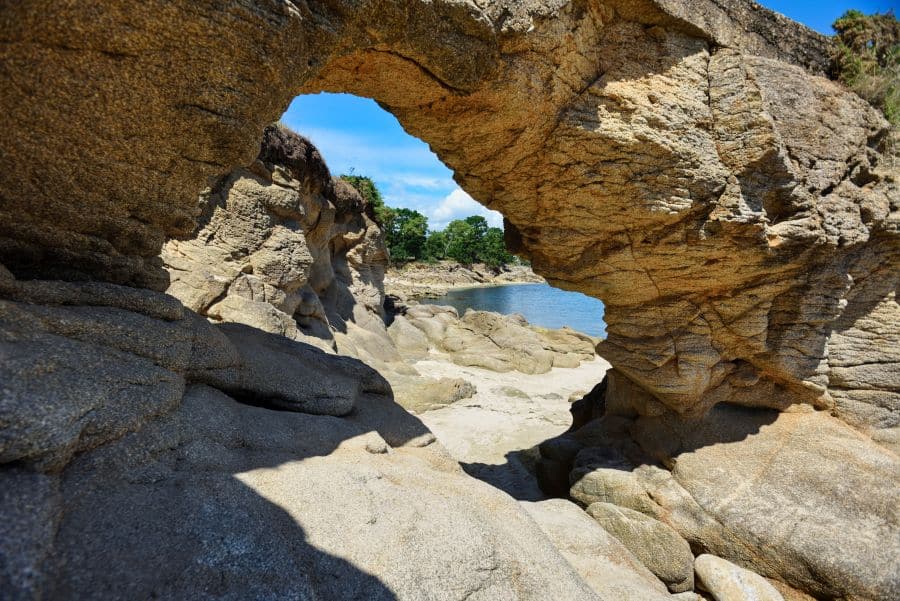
column 727, row 582
column 130, row 470
column 500, row 343
column 283, row 247
column 685, row 162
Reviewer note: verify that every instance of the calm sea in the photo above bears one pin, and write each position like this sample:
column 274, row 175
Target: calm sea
column 541, row 304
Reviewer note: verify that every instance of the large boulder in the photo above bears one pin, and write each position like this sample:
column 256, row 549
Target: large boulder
column 655, row 544
column 604, row 563
column 728, row 582
column 225, row 499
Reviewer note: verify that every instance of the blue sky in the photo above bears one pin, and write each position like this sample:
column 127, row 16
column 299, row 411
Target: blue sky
column 356, row 134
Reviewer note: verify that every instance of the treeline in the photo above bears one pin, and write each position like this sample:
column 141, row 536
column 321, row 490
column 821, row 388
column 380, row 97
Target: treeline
column 408, row 238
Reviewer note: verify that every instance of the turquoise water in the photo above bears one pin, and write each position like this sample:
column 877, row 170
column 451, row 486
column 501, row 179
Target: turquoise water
column 541, row 304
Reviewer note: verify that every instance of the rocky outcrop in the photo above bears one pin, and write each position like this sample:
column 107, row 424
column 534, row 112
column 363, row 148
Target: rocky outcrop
column 774, row 492
column 730, row 208
column 130, row 470
column 489, row 340
column 283, row 247
column 428, row 280
column 682, row 161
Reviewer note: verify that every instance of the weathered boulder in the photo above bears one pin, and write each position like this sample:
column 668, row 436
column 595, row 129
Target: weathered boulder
column 776, row 493
column 418, row 394
column 488, row 340
column 284, row 248
column 221, row 498
column 604, row 563
column 656, row 545
column 728, row 582
column 285, row 374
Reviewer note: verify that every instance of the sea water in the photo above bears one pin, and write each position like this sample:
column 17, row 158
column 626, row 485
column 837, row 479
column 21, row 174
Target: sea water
column 541, row 304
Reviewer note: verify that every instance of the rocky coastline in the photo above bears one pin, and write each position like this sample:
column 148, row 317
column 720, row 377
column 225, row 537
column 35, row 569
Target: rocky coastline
column 209, row 397
column 419, row 280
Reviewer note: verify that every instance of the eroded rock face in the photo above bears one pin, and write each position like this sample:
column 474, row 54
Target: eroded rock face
column 731, row 208
column 283, row 247
column 683, row 161
column 489, row 340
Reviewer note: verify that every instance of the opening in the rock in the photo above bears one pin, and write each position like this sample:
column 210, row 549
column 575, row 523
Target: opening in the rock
column 348, row 234
column 431, row 219
column 491, row 385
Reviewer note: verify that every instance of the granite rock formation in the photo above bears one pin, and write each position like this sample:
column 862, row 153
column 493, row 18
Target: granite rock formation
column 283, row 247
column 686, row 162
column 490, row 340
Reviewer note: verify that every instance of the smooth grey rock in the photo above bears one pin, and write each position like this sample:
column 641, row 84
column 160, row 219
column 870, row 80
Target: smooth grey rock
column 287, row 374
column 232, row 501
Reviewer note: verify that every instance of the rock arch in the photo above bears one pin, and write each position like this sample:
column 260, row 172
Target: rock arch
column 685, row 163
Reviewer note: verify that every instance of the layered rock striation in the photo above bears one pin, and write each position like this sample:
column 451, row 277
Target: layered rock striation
column 284, row 247
column 685, row 162
column 688, row 165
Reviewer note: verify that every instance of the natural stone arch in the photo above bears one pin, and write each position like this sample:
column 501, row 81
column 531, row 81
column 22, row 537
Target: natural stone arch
column 664, row 156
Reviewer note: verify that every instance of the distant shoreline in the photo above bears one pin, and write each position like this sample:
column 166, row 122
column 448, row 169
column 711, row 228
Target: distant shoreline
column 417, row 280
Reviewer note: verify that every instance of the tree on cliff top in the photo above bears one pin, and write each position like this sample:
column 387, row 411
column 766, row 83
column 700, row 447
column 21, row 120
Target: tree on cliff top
column 383, row 214
column 867, row 59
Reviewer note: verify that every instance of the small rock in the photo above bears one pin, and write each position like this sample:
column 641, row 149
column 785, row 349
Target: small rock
column 728, row 582
column 658, row 547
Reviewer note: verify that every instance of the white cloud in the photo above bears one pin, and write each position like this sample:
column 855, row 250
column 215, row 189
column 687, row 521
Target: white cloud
column 459, row 205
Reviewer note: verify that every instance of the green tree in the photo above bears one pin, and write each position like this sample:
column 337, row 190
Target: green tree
column 493, row 248
column 867, row 58
column 406, row 235
column 382, row 213
column 479, row 228
column 461, row 241
column 436, row 246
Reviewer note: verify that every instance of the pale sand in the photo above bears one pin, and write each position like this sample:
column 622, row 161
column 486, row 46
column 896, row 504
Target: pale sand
column 486, row 433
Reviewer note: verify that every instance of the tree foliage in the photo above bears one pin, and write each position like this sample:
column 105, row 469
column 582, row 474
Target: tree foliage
column 494, row 251
column 383, row 214
column 867, row 58
column 468, row 240
column 407, row 235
